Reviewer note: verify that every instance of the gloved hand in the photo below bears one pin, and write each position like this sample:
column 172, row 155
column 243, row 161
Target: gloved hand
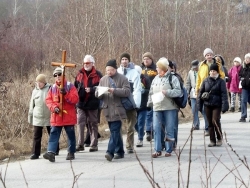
column 63, row 91
column 56, row 110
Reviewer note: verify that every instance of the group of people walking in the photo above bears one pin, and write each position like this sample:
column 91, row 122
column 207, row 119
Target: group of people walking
column 152, row 86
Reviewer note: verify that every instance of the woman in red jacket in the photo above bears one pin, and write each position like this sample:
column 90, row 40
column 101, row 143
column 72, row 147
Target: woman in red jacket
column 66, row 120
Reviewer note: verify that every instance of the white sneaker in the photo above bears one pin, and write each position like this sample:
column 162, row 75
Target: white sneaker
column 139, row 143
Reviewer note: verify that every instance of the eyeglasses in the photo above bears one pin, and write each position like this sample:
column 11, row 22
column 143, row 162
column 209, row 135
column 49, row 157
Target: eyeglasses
column 87, row 63
column 58, row 74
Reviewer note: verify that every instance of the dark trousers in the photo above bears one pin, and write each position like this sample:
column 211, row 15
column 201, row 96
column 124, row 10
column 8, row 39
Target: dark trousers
column 214, row 125
column 115, row 144
column 38, row 133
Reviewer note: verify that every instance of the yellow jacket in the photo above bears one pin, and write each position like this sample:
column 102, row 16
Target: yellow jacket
column 203, row 73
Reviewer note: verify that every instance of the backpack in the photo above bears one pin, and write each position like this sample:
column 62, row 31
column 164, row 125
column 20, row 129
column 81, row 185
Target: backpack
column 181, row 102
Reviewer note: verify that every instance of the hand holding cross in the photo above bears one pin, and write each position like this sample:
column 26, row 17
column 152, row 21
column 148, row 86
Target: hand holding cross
column 62, row 64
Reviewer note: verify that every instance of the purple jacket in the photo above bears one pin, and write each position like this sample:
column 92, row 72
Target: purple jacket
column 234, row 79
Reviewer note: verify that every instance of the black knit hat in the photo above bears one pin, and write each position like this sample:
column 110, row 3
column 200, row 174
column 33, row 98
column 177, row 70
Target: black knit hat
column 195, row 63
column 112, row 63
column 215, row 67
column 125, row 55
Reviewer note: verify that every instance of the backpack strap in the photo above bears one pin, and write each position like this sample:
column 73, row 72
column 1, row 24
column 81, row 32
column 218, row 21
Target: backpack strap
column 170, row 80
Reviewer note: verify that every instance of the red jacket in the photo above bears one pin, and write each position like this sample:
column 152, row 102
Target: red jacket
column 70, row 100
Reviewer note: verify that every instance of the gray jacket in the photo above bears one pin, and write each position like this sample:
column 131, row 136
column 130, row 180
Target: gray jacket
column 162, row 83
column 39, row 114
column 191, row 83
column 112, row 106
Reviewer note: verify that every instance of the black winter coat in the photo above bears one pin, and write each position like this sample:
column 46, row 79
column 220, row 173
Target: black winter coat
column 144, row 97
column 87, row 101
column 245, row 76
column 218, row 95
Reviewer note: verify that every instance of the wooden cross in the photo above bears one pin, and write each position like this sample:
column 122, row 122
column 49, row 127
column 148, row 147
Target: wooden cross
column 62, row 64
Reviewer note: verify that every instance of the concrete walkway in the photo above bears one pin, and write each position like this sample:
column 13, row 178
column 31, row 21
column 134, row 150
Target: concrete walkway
column 95, row 171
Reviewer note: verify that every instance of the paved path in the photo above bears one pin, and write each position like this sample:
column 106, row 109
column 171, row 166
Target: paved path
column 97, row 172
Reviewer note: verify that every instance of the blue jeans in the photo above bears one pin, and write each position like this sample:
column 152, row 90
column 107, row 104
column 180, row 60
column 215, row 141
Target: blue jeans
column 115, row 144
column 164, row 119
column 149, row 121
column 205, row 118
column 245, row 98
column 195, row 111
column 139, row 126
column 54, row 137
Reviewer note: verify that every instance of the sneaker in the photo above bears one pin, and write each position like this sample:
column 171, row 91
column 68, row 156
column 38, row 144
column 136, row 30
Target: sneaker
column 219, row 143
column 139, row 143
column 129, row 151
column 93, row 148
column 80, row 148
column 118, row 156
column 108, row 157
column 211, row 144
column 70, row 156
column 242, row 120
column 148, row 137
column 206, row 133
column 232, row 109
column 156, row 154
column 49, row 156
column 34, row 156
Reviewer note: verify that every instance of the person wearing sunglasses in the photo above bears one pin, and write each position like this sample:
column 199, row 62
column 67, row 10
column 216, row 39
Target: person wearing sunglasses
column 68, row 118
column 88, row 106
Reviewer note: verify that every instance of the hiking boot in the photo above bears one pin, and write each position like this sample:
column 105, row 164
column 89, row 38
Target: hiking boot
column 86, row 145
column 239, row 110
column 196, row 128
column 49, row 156
column 206, row 133
column 232, row 109
column 242, row 120
column 219, row 143
column 118, row 156
column 108, row 157
column 80, row 148
column 34, row 156
column 70, row 156
column 129, row 151
column 93, row 148
column 148, row 137
column 139, row 143
column 211, row 144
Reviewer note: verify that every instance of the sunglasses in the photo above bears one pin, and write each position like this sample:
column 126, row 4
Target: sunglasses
column 87, row 63
column 58, row 74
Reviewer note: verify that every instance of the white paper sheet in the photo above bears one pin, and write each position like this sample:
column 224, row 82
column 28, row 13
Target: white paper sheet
column 101, row 90
column 157, row 97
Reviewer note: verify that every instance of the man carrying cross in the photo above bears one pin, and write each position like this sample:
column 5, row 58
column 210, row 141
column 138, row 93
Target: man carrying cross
column 62, row 116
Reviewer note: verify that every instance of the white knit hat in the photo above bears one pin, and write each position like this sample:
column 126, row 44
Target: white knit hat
column 138, row 68
column 58, row 70
column 163, row 63
column 237, row 59
column 207, row 51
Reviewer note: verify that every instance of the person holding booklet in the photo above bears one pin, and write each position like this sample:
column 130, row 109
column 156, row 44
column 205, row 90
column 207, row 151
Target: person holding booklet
column 165, row 111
